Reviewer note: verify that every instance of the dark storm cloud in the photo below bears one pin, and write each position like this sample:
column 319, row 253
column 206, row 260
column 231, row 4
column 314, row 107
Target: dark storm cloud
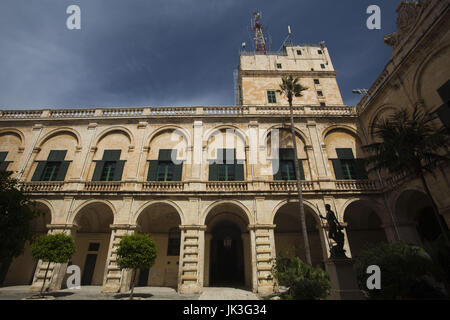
column 168, row 52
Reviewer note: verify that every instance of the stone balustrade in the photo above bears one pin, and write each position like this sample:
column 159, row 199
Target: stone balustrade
column 306, row 110
column 208, row 186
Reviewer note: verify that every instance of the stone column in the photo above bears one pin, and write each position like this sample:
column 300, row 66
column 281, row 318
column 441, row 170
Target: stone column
column 190, row 273
column 263, row 247
column 57, row 271
column 115, row 280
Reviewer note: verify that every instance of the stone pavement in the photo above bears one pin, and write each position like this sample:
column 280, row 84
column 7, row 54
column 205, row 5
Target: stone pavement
column 144, row 293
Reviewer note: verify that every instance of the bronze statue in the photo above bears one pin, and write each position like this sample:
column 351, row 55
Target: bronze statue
column 335, row 233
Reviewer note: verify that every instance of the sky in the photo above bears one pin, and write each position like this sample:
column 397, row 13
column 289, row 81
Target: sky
column 170, row 52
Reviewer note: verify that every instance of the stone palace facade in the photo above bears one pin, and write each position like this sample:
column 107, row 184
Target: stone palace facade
column 99, row 174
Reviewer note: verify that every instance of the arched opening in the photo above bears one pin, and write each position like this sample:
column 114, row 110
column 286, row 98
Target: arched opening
column 364, row 227
column 417, row 220
column 289, row 237
column 227, row 248
column 161, row 221
column 21, row 269
column 92, row 240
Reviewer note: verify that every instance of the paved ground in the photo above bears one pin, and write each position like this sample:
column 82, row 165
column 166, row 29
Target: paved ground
column 146, row 293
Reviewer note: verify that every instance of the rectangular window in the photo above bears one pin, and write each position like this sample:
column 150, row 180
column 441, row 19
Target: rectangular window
column 286, row 170
column 4, row 164
column 320, row 93
column 226, row 167
column 323, row 104
column 271, row 97
column 164, row 169
column 108, row 171
column 322, row 66
column 173, row 247
column 94, row 246
column 348, row 169
column 299, row 52
column 316, row 81
column 51, row 171
column 319, row 51
column 279, row 66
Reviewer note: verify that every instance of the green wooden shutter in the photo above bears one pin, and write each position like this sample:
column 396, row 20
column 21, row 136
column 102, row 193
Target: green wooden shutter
column 177, row 172
column 62, row 171
column 165, row 155
column 338, row 169
column 4, row 165
column 39, row 170
column 345, row 153
column 213, row 172
column 360, row 169
column 118, row 171
column 111, row 155
column 302, row 172
column 287, row 154
column 3, row 156
column 239, row 172
column 152, row 170
column 98, row 170
column 57, row 155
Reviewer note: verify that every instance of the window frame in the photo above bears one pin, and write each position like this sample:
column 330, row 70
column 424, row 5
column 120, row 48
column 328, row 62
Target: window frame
column 271, row 96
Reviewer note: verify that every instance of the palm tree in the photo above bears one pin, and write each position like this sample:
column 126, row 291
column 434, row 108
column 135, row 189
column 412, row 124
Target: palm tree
column 410, row 144
column 291, row 87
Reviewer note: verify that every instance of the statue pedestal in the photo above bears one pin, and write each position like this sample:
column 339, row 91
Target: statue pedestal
column 343, row 280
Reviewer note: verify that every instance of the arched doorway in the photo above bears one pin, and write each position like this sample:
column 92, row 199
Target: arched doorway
column 364, row 227
column 417, row 220
column 227, row 256
column 227, row 248
column 92, row 240
column 289, row 238
column 161, row 221
column 22, row 268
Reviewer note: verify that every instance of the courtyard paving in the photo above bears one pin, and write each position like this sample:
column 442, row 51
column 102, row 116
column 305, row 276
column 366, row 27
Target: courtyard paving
column 143, row 293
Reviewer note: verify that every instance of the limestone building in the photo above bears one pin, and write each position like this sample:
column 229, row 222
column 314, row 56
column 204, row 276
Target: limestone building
column 214, row 185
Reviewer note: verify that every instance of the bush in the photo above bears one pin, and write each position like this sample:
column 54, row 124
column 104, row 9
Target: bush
column 304, row 281
column 49, row 248
column 406, row 272
column 137, row 251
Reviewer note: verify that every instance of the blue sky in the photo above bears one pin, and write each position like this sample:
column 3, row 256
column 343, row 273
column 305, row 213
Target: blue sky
column 170, row 52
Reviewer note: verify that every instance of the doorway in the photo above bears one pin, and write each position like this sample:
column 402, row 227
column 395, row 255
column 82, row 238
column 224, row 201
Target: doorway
column 227, row 257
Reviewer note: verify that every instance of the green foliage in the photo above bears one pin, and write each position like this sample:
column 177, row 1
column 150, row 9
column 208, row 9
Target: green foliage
column 406, row 272
column 56, row 247
column 16, row 214
column 407, row 141
column 439, row 251
column 304, row 281
column 137, row 251
column 291, row 87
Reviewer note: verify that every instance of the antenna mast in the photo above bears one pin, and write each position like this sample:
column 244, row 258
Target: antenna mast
column 260, row 42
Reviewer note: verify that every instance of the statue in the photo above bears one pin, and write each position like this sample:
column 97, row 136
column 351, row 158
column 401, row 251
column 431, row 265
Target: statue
column 335, row 233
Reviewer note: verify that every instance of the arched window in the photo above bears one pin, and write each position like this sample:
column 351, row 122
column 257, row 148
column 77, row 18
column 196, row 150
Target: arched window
column 173, row 248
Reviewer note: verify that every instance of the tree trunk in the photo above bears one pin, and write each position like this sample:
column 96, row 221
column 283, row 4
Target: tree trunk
column 435, row 208
column 45, row 278
column 133, row 279
column 299, row 189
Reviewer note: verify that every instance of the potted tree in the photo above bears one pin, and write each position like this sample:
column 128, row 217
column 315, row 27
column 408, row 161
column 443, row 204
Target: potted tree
column 56, row 248
column 137, row 251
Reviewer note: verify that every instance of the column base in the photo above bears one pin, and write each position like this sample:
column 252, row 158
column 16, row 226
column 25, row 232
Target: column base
column 343, row 280
column 190, row 289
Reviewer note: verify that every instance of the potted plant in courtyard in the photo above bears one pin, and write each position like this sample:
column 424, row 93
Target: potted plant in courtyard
column 137, row 251
column 56, row 248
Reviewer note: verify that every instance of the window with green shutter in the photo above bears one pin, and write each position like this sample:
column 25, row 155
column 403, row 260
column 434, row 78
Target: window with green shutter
column 346, row 167
column 271, row 96
column 110, row 168
column 164, row 169
column 286, row 170
column 54, row 169
column 3, row 163
column 226, row 167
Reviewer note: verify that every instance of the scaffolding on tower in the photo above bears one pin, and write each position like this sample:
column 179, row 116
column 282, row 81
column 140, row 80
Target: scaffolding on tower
column 260, row 42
